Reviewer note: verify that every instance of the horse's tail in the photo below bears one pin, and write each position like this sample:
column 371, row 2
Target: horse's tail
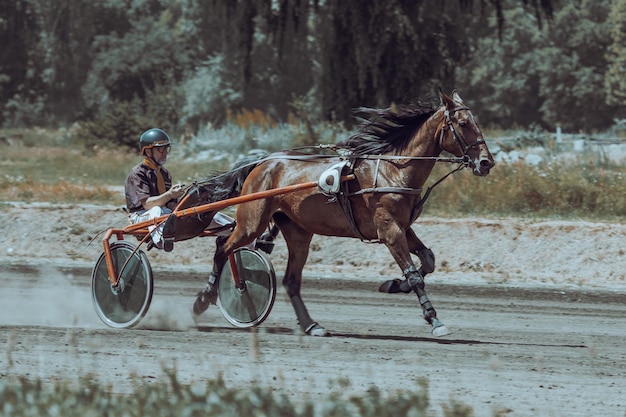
column 238, row 174
column 229, row 184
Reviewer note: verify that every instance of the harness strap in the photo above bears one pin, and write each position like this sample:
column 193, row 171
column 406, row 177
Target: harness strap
column 398, row 190
column 346, row 207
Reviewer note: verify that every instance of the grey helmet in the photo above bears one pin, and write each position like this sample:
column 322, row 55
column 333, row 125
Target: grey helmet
column 153, row 138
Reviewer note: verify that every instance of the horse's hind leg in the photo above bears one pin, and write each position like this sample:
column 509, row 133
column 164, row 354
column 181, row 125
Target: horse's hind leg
column 298, row 241
column 208, row 295
column 249, row 225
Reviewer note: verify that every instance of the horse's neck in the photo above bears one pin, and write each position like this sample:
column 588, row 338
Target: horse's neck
column 425, row 144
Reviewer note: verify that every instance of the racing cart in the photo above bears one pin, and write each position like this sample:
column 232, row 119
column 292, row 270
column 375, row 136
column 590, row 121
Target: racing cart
column 122, row 281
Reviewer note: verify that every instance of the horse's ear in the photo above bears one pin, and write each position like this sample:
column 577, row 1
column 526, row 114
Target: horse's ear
column 446, row 100
column 457, row 98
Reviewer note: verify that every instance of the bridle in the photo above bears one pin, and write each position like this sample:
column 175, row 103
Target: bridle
column 460, row 140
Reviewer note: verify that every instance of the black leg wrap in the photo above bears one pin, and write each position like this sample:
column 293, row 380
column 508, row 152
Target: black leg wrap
column 306, row 322
column 416, row 280
column 427, row 307
column 413, row 278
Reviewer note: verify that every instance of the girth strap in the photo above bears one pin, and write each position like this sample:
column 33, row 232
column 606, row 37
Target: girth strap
column 343, row 199
column 346, row 207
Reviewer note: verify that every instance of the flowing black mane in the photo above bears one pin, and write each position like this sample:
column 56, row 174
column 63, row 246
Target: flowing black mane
column 382, row 131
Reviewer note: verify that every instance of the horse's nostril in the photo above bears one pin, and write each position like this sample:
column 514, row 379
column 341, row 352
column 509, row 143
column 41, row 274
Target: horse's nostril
column 486, row 163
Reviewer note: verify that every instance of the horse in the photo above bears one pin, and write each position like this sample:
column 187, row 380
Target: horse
column 390, row 157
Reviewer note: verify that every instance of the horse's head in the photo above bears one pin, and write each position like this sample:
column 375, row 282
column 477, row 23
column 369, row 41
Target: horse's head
column 460, row 135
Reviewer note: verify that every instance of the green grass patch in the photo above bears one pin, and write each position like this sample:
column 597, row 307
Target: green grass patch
column 170, row 397
column 576, row 189
column 41, row 165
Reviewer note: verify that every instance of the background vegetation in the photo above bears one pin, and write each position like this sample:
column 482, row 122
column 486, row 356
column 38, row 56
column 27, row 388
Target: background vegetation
column 169, row 397
column 81, row 79
column 566, row 184
column 120, row 66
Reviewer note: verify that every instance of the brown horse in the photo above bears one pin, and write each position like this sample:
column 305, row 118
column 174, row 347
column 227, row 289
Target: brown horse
column 391, row 156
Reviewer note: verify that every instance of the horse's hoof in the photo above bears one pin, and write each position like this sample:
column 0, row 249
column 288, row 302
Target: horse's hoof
column 395, row 286
column 318, row 330
column 440, row 331
column 204, row 299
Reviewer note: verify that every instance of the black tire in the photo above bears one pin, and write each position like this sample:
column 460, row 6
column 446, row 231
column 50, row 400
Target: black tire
column 251, row 306
column 126, row 308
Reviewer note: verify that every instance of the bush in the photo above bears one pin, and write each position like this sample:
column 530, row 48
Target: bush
column 120, row 126
column 169, row 397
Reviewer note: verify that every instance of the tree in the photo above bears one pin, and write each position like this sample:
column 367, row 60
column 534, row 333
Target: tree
column 149, row 56
column 72, row 58
column 553, row 76
column 572, row 65
column 67, row 29
column 348, row 53
column 615, row 81
column 18, row 81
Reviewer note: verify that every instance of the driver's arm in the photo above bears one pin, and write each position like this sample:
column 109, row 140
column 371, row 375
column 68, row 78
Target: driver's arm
column 161, row 200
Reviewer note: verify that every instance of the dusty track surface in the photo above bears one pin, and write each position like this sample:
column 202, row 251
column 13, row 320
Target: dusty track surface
column 520, row 351
column 537, row 312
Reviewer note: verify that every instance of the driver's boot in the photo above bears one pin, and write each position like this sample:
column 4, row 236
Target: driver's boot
column 169, row 232
column 265, row 242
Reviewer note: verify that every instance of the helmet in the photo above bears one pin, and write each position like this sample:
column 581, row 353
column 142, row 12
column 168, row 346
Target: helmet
column 152, row 138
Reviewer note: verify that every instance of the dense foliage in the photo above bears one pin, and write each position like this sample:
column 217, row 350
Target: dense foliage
column 185, row 63
column 553, row 77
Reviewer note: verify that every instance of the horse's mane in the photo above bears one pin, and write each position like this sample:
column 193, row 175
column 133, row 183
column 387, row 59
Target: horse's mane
column 382, row 131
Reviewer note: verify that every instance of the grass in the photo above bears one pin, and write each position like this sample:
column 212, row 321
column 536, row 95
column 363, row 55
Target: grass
column 169, row 397
column 49, row 169
column 574, row 190
column 46, row 165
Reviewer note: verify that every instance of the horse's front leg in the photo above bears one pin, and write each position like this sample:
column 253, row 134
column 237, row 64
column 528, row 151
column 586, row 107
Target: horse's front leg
column 396, row 241
column 426, row 257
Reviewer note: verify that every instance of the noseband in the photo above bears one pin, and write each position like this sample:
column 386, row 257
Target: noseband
column 460, row 140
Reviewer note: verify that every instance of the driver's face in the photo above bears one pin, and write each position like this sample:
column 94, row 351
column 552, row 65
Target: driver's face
column 159, row 154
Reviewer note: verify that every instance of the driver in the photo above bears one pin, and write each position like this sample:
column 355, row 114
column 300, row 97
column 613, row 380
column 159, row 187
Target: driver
column 150, row 194
column 149, row 191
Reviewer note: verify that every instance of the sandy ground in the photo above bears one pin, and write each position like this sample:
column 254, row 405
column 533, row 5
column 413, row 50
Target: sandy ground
column 573, row 254
column 536, row 309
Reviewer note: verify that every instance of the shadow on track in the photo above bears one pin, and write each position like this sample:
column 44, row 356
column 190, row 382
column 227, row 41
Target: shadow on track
column 440, row 341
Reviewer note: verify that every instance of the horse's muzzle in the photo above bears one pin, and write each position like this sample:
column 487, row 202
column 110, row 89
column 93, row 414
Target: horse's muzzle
column 483, row 166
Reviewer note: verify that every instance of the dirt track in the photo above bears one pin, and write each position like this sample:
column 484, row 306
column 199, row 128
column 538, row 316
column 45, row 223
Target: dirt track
column 537, row 311
column 526, row 352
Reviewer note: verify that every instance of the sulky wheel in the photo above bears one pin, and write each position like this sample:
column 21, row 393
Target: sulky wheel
column 250, row 305
column 123, row 307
